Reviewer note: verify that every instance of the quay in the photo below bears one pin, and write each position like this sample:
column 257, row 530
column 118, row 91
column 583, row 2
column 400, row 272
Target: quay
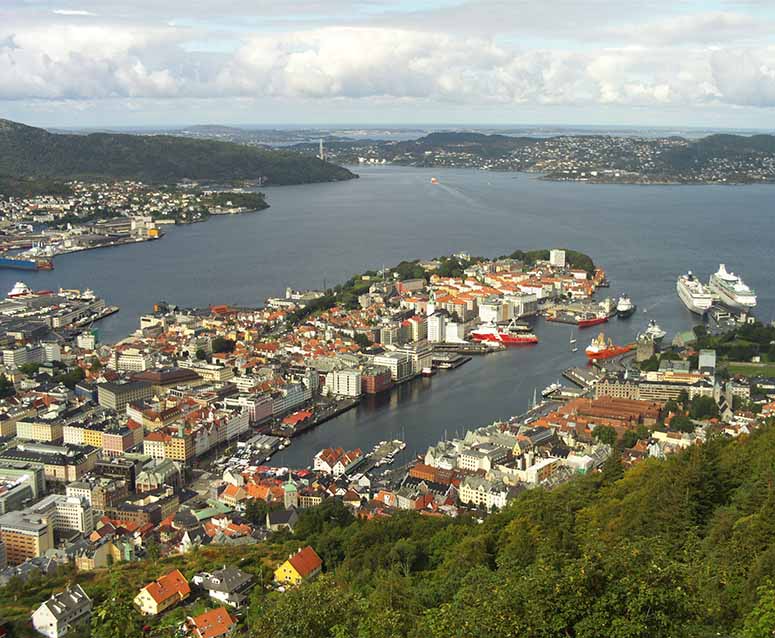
column 315, row 418
column 464, row 348
column 448, row 360
column 582, row 377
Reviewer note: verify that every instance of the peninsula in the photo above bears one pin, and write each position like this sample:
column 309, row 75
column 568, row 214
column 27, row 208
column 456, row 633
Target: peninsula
column 716, row 159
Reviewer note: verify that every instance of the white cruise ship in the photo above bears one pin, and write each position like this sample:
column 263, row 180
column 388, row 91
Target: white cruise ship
column 731, row 289
column 696, row 297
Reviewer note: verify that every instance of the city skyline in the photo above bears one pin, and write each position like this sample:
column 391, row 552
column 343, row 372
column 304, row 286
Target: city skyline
column 111, row 63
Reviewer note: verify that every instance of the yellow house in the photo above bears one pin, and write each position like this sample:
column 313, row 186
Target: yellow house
column 303, row 565
column 162, row 594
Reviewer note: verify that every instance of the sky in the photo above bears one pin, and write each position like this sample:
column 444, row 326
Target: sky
column 77, row 63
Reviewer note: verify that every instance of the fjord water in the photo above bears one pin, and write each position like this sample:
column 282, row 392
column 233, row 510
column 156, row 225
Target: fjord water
column 644, row 236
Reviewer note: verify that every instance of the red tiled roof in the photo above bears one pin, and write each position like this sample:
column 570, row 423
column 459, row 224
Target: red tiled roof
column 172, row 584
column 212, row 624
column 306, row 561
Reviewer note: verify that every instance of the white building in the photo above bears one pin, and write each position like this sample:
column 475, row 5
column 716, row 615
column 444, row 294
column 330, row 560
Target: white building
column 67, row 513
column 481, row 492
column 15, row 357
column 420, row 353
column 131, row 360
column 290, row 397
column 482, row 457
column 522, row 305
column 62, row 612
column 494, row 310
column 344, row 383
column 557, row 258
column 437, row 323
column 399, row 364
column 86, row 340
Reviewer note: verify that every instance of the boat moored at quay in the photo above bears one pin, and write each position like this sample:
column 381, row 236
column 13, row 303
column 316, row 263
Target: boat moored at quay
column 694, row 294
column 731, row 290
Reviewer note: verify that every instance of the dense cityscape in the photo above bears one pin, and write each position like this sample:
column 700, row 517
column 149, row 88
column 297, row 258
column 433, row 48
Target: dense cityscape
column 161, row 445
column 418, row 319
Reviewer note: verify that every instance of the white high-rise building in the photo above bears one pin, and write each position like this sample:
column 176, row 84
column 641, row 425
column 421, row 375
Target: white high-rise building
column 557, row 258
column 437, row 324
column 344, row 383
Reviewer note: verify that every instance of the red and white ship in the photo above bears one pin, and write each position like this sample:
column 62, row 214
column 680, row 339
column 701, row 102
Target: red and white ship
column 510, row 336
column 602, row 349
column 20, row 289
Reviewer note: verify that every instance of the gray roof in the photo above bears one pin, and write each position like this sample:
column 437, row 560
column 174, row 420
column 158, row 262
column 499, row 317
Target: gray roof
column 228, row 580
column 71, row 600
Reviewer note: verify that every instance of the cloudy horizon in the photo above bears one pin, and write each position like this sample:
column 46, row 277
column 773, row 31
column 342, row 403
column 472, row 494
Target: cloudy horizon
column 580, row 62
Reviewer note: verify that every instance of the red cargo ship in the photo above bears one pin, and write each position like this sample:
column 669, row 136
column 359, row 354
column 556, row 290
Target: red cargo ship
column 602, row 349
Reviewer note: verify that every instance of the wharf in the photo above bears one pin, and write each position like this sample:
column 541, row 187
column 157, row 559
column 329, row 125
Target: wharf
column 321, row 416
column 448, row 360
column 582, row 377
column 566, row 393
column 383, row 454
column 615, row 364
column 462, row 348
column 105, row 312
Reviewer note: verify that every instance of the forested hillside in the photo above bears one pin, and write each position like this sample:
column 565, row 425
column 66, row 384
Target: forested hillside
column 677, row 547
column 27, row 152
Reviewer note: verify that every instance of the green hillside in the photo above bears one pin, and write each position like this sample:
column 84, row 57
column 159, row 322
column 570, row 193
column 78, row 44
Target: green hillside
column 28, row 152
column 681, row 547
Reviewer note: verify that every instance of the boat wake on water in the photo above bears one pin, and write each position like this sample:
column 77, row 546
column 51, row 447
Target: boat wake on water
column 458, row 194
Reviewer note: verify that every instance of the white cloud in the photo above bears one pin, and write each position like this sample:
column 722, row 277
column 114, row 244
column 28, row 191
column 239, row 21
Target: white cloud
column 98, row 59
column 72, row 12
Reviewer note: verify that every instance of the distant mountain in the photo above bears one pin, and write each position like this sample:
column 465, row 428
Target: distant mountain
column 29, row 152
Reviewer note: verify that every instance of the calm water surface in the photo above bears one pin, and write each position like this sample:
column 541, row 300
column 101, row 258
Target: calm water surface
column 644, row 236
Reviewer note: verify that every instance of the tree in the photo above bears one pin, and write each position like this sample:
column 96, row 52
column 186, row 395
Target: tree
column 114, row 617
column 629, row 438
column 651, row 364
column 612, row 469
column 7, row 388
column 362, row 340
column 760, row 621
column 152, row 549
column 605, row 434
column 316, row 610
column 682, row 423
column 201, row 355
column 29, row 368
column 683, row 399
column 221, row 344
column 703, row 408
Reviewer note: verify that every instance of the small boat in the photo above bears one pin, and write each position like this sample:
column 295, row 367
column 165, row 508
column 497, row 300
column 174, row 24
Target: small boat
column 551, row 389
column 434, row 180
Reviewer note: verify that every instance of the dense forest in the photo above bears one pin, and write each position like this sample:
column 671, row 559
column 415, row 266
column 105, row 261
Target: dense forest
column 33, row 152
column 32, row 187
column 681, row 547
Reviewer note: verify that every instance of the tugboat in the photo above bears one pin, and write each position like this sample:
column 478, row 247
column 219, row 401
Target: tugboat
column 625, row 308
column 602, row 349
